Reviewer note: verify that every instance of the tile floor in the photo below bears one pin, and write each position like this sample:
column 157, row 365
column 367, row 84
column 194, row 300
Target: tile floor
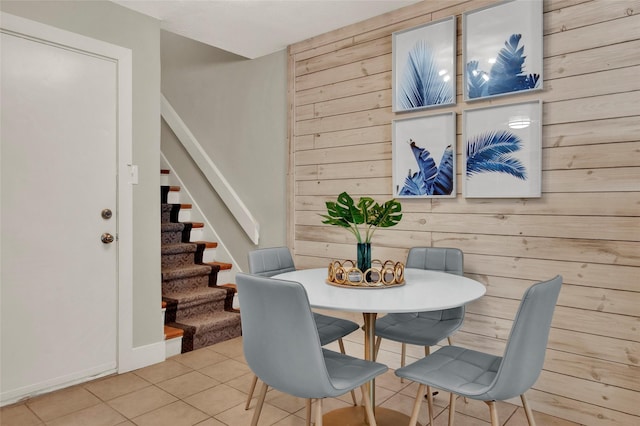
column 208, row 387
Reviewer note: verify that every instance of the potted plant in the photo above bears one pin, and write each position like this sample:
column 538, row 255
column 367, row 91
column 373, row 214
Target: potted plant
column 362, row 220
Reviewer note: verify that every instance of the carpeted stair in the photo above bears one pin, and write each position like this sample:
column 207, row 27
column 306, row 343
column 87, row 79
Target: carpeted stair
column 194, row 301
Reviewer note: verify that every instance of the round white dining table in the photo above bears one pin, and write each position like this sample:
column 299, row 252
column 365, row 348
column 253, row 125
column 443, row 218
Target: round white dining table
column 423, row 290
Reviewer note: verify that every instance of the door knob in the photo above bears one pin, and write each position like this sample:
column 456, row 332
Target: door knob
column 107, row 238
column 106, row 214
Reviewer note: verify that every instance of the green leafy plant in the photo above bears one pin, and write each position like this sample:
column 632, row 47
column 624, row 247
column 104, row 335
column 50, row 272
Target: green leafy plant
column 363, row 218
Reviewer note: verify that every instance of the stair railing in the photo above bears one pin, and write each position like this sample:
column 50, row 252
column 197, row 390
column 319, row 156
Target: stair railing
column 235, row 205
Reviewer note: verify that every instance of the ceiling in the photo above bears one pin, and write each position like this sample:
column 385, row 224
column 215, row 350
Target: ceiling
column 254, row 28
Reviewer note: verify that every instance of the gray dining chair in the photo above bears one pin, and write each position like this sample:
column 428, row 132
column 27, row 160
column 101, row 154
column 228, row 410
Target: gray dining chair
column 292, row 359
column 270, row 261
column 486, row 377
column 424, row 328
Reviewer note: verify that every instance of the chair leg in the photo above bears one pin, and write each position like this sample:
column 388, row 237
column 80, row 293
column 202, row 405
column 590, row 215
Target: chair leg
column 377, row 348
column 493, row 411
column 452, row 407
column 416, row 406
column 403, row 357
column 251, row 390
column 319, row 412
column 527, row 410
column 430, row 405
column 258, row 410
column 367, row 405
column 353, row 393
column 308, row 404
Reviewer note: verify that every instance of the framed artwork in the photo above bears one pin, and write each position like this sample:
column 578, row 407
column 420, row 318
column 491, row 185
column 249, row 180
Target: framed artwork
column 503, row 151
column 424, row 156
column 502, row 49
column 424, row 66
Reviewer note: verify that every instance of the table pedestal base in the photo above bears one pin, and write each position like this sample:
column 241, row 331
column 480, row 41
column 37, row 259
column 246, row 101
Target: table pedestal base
column 355, row 416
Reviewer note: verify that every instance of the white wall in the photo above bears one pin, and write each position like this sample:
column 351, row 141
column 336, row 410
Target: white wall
column 236, row 108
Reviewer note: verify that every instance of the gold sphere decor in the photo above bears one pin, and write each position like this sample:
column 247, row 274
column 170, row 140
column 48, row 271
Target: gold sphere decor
column 381, row 274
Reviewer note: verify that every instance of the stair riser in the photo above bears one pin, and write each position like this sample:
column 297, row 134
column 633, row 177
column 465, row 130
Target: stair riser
column 223, row 329
column 172, row 286
column 211, row 338
column 171, row 237
column 176, row 260
column 205, row 308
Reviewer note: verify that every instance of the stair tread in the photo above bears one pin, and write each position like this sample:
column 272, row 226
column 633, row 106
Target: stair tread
column 173, row 248
column 195, row 224
column 165, row 171
column 185, row 271
column 207, row 244
column 223, row 265
column 172, row 332
column 194, row 293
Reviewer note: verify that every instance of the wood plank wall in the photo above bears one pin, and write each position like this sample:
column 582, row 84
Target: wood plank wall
column 585, row 226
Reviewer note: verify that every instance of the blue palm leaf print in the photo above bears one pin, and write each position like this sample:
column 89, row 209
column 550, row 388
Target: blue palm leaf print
column 421, row 85
column 506, row 74
column 491, row 152
column 443, row 183
column 429, row 179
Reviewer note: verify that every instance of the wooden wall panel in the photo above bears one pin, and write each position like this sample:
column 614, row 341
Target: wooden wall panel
column 586, row 225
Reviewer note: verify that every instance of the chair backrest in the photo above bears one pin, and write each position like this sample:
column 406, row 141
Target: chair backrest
column 280, row 338
column 524, row 355
column 443, row 259
column 271, row 261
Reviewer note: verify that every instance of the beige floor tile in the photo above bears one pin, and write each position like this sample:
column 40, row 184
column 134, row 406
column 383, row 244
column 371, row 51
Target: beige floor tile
column 520, row 419
column 291, row 420
column 390, row 381
column 126, row 423
column 62, row 402
column 243, row 382
column 115, row 386
column 188, row 384
column 225, row 371
column 142, row 401
column 480, row 409
column 211, row 422
column 459, row 419
column 199, row 358
column 98, row 415
column 329, row 404
column 175, row 414
column 162, row 371
column 285, row 402
column 404, row 404
column 230, row 348
column 18, row 415
column 217, row 399
column 238, row 416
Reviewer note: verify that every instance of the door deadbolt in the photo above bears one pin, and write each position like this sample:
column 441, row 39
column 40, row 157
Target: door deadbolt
column 107, row 238
column 106, row 214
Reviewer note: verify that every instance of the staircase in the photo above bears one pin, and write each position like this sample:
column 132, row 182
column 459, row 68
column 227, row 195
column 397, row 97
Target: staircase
column 195, row 303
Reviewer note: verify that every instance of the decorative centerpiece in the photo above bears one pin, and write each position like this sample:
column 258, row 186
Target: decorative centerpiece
column 380, row 274
column 362, row 220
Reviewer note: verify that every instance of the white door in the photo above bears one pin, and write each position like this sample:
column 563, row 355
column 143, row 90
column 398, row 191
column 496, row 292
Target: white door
column 59, row 172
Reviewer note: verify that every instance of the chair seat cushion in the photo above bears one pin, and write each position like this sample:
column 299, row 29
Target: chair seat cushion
column 415, row 329
column 331, row 329
column 347, row 372
column 454, row 369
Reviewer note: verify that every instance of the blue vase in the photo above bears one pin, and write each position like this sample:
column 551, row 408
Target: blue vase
column 364, row 257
